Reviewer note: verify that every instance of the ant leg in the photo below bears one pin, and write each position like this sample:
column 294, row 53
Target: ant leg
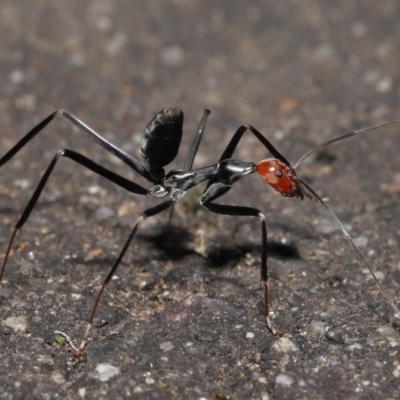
column 265, row 142
column 197, row 139
column 218, row 189
column 79, row 158
column 125, row 157
column 147, row 213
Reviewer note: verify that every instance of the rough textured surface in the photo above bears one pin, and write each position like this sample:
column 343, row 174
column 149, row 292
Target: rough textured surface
column 175, row 324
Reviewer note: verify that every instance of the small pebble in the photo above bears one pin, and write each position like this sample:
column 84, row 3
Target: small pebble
column 22, row 183
column 385, row 85
column 284, row 345
column 104, row 372
column 166, row 346
column 317, row 328
column 361, row 241
column 16, row 76
column 172, row 56
column 103, row 213
column 283, row 379
column 327, row 226
column 19, row 324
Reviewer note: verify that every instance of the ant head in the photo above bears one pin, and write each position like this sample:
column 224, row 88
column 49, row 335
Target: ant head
column 280, row 177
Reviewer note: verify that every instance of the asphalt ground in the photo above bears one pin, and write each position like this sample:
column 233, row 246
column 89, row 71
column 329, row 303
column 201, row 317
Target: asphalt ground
column 184, row 317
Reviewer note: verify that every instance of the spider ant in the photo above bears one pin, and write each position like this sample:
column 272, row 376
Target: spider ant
column 160, row 145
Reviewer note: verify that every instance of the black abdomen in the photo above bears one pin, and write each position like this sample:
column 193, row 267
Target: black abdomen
column 162, row 138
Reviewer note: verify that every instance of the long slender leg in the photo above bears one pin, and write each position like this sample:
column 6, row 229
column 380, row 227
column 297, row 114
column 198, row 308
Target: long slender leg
column 218, row 189
column 125, row 157
column 265, row 142
column 79, row 158
column 147, row 213
column 197, row 139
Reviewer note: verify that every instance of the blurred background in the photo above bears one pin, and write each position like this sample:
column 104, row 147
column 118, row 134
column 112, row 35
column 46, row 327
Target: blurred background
column 299, row 71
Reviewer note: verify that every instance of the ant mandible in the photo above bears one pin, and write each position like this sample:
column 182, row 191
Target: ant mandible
column 160, row 145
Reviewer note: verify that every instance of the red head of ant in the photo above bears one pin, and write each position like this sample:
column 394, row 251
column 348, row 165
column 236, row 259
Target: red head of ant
column 280, row 177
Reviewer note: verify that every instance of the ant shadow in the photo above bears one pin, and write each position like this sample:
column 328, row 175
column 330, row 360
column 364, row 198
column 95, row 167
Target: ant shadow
column 177, row 243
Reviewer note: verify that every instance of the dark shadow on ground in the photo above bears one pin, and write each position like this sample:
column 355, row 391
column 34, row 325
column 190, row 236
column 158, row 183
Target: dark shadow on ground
column 177, row 243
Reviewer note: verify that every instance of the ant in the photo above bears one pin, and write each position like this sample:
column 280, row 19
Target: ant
column 160, row 145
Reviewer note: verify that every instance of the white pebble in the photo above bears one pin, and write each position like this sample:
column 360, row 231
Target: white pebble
column 166, row 346
column 172, row 56
column 16, row 76
column 103, row 213
column 104, row 372
column 284, row 379
column 361, row 241
column 19, row 324
column 22, row 183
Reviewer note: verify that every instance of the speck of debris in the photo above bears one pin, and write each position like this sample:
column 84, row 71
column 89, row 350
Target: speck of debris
column 93, row 254
column 172, row 56
column 19, row 324
column 126, row 209
column 149, row 381
column 22, row 183
column 385, row 84
column 94, row 189
column 250, row 335
column 166, row 346
column 378, row 274
column 283, row 379
column 16, row 76
column 104, row 372
column 385, row 332
column 355, row 346
column 284, row 345
column 46, row 360
column 361, row 241
column 316, row 328
column 327, row 226
column 103, row 213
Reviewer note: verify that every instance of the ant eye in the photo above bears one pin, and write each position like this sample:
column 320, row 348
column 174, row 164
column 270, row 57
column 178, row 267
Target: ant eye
column 279, row 174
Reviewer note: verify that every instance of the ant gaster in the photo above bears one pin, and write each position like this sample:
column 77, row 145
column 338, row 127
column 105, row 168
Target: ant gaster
column 160, row 145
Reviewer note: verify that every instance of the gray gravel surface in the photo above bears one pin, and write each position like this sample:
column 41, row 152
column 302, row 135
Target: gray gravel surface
column 182, row 321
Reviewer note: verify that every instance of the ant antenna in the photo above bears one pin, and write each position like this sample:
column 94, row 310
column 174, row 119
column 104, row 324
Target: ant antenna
column 345, row 136
column 341, row 226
